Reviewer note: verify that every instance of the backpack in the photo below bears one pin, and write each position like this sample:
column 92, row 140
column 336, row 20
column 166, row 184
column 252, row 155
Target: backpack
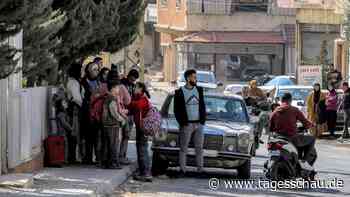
column 96, row 108
column 151, row 123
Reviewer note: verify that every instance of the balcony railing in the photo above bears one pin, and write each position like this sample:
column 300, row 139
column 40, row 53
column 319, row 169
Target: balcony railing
column 226, row 7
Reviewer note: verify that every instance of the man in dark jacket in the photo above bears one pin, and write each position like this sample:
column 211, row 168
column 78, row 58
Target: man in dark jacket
column 190, row 113
column 346, row 105
column 284, row 122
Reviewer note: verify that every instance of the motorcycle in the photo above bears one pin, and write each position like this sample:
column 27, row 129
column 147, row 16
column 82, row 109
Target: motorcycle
column 284, row 162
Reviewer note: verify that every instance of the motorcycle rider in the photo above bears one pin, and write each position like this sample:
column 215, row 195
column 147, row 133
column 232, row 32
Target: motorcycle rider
column 254, row 92
column 284, row 122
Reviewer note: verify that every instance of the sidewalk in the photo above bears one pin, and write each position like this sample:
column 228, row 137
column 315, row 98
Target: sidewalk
column 162, row 86
column 76, row 180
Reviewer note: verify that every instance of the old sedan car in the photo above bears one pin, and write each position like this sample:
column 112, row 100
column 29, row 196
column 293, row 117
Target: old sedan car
column 228, row 136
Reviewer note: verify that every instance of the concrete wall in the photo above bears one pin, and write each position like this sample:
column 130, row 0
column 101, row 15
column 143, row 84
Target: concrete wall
column 171, row 16
column 240, row 21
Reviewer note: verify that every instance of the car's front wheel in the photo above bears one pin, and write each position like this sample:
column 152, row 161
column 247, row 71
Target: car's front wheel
column 159, row 165
column 244, row 170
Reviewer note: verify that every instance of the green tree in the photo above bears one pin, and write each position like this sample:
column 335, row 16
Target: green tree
column 105, row 25
column 40, row 25
column 11, row 17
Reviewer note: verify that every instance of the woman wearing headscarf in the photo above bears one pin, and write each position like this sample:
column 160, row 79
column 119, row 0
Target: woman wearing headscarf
column 331, row 109
column 314, row 101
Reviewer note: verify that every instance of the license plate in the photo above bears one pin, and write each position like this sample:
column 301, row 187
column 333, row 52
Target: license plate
column 275, row 153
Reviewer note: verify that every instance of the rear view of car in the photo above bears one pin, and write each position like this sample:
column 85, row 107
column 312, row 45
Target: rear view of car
column 205, row 79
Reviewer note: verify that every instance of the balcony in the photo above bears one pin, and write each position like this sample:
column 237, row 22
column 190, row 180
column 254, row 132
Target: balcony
column 226, row 7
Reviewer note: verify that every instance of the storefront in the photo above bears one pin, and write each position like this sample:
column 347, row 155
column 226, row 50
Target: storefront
column 232, row 55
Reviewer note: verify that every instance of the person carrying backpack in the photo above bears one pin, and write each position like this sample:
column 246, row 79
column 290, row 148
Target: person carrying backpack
column 139, row 107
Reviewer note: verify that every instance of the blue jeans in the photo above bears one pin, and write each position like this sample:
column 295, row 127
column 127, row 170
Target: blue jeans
column 143, row 158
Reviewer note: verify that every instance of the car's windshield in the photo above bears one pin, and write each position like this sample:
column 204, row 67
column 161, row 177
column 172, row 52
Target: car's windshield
column 220, row 108
column 279, row 82
column 201, row 77
column 297, row 94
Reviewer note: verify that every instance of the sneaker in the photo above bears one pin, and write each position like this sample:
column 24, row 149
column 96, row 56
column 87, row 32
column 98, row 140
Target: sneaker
column 138, row 177
column 148, row 178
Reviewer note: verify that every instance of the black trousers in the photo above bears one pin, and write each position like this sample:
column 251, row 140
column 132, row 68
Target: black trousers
column 331, row 121
column 92, row 142
column 72, row 147
column 143, row 158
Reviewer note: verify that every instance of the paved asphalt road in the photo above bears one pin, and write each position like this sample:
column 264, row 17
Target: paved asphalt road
column 333, row 163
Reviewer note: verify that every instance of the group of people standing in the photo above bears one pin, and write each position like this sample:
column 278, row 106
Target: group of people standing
column 323, row 107
column 99, row 116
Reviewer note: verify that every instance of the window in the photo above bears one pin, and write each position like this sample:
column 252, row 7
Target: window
column 164, row 3
column 249, row 5
column 178, row 4
column 204, row 58
column 225, row 109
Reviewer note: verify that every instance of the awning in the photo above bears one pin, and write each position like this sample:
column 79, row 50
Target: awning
column 234, row 37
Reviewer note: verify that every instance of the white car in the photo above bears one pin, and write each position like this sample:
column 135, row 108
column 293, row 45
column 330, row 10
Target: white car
column 234, row 88
column 205, row 79
column 299, row 95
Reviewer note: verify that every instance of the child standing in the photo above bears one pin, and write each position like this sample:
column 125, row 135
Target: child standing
column 112, row 121
column 139, row 107
column 65, row 129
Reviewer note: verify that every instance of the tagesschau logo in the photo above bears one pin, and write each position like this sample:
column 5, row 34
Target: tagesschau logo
column 263, row 184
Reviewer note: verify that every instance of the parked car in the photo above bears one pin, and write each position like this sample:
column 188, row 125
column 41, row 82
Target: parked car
column 228, row 136
column 234, row 88
column 251, row 73
column 277, row 81
column 282, row 80
column 300, row 94
column 205, row 79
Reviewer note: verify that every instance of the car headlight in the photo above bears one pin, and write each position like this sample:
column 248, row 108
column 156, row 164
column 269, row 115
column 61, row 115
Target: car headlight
column 172, row 139
column 243, row 142
column 230, row 143
column 230, row 148
column 172, row 143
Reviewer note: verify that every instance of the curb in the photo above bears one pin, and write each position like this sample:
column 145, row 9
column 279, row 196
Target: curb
column 104, row 189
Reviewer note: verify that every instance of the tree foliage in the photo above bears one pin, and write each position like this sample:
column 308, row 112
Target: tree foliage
column 40, row 25
column 11, row 17
column 59, row 32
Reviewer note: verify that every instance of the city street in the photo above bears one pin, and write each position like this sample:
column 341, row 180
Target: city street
column 333, row 162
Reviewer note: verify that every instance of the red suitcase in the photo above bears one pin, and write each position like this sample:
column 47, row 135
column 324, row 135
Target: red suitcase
column 54, row 151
